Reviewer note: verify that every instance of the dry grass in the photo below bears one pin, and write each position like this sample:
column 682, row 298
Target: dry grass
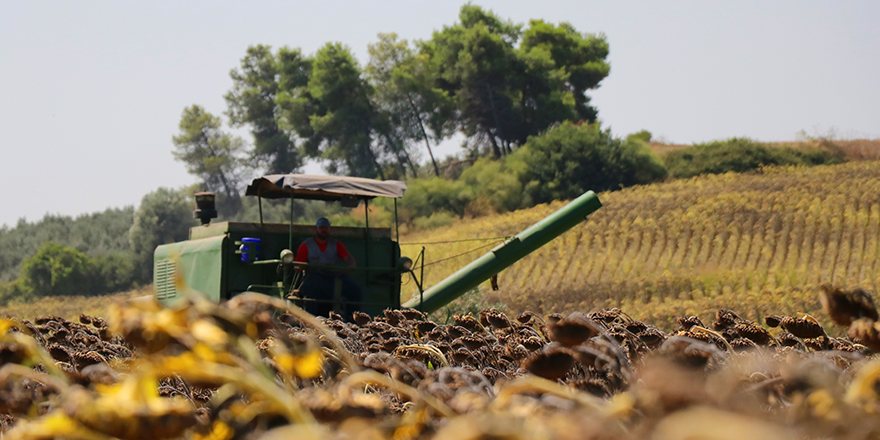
column 756, row 242
column 70, row 307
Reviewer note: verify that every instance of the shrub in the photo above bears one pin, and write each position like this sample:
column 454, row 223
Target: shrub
column 426, row 196
column 434, row 221
column 58, row 270
column 644, row 136
column 570, row 159
column 114, row 273
column 741, row 155
column 497, row 182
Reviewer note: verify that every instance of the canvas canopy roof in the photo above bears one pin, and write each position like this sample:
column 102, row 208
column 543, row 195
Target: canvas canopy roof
column 305, row 186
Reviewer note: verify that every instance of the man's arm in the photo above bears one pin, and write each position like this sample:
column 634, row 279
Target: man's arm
column 345, row 255
column 302, row 256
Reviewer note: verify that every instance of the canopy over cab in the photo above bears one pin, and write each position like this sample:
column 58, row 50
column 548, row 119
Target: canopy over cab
column 223, row 259
column 305, row 186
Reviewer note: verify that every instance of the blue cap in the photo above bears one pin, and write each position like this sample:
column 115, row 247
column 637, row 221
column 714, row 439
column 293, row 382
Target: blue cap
column 322, row 222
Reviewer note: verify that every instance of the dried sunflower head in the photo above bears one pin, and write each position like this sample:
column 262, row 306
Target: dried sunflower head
column 361, row 318
column 533, row 343
column 572, row 331
column 468, row 322
column 687, row 322
column 844, row 306
column 393, row 317
column 754, row 333
column 456, row 331
column 413, row 314
column 651, row 337
column 866, row 332
column 802, row 327
column 773, row 321
column 725, row 318
column 425, row 326
column 551, row 363
column 493, row 317
column 131, row 409
column 636, row 326
column 472, row 343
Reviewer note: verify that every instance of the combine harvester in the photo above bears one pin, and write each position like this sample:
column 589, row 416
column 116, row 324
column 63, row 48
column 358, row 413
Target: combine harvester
column 224, row 259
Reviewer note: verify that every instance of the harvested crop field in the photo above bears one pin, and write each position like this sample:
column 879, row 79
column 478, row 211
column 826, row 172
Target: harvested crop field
column 258, row 367
column 759, row 243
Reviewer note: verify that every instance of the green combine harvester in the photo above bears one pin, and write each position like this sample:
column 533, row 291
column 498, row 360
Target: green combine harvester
column 223, row 259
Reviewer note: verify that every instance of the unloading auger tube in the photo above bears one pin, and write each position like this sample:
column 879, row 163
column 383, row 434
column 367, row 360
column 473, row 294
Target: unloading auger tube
column 506, row 254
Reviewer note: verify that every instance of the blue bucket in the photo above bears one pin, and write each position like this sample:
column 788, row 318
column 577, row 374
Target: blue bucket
column 250, row 249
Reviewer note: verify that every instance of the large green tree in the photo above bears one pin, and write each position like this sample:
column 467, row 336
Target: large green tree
column 509, row 84
column 340, row 113
column 251, row 102
column 561, row 65
column 211, row 154
column 412, row 108
column 476, row 65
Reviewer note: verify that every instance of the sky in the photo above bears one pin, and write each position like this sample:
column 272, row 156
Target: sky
column 91, row 92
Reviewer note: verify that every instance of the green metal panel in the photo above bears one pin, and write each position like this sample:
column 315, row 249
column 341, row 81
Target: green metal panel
column 507, row 253
column 199, row 262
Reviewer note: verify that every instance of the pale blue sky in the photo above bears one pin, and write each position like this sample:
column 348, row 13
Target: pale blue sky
column 91, row 92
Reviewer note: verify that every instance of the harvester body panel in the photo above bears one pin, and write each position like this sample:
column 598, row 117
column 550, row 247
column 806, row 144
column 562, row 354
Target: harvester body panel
column 211, row 261
column 198, row 265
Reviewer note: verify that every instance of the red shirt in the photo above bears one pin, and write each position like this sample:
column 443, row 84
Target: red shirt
column 302, row 254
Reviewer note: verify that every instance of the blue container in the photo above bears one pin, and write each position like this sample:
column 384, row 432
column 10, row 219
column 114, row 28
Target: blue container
column 250, row 249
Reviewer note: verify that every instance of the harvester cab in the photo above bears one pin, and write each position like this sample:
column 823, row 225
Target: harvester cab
column 223, row 259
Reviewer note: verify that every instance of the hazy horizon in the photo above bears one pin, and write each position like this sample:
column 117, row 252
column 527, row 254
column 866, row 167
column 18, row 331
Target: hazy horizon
column 92, row 91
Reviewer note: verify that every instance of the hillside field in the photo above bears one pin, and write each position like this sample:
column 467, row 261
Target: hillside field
column 757, row 243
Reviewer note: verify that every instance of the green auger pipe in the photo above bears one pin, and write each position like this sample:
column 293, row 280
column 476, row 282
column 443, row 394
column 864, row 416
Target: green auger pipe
column 506, row 254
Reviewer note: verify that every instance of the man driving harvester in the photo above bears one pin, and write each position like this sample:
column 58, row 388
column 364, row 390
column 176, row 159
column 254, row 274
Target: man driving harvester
column 327, row 287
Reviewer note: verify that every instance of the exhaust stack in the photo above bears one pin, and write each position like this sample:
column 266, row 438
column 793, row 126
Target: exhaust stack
column 205, row 209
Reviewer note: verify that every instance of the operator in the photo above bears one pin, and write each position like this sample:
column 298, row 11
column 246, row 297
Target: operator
column 328, row 286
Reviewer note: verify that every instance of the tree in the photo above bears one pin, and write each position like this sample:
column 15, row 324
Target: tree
column 570, row 64
column 477, row 66
column 211, row 154
column 164, row 216
column 252, row 102
column 294, row 104
column 58, row 270
column 406, row 95
column 571, row 159
column 508, row 84
column 341, row 114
